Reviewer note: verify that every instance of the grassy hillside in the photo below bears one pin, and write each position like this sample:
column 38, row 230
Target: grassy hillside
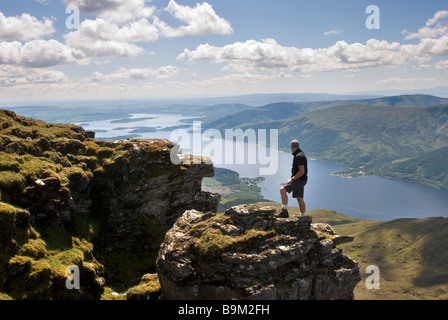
column 376, row 138
column 233, row 189
column 267, row 113
column 399, row 137
column 412, row 254
column 429, row 168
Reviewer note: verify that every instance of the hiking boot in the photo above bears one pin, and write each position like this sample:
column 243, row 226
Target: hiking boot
column 282, row 214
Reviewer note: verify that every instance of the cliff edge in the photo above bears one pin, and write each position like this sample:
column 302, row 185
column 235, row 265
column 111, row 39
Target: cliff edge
column 103, row 206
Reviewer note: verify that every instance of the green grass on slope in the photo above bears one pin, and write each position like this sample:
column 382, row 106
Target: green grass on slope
column 412, row 254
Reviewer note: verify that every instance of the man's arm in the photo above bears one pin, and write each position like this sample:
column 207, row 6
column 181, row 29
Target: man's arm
column 298, row 174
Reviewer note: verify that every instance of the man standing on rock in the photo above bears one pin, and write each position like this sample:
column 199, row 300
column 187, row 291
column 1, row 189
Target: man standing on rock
column 297, row 182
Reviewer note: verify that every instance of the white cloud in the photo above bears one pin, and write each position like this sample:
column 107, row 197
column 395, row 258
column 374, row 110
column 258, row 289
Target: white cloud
column 102, row 30
column 269, row 55
column 435, row 46
column 434, row 27
column 39, row 54
column 24, row 27
column 200, row 20
column 101, row 38
column 118, row 11
column 442, row 65
column 306, row 76
column 330, row 32
column 123, row 74
column 105, row 37
column 398, row 80
column 17, row 76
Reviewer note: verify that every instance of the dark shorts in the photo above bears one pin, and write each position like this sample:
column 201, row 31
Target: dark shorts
column 296, row 187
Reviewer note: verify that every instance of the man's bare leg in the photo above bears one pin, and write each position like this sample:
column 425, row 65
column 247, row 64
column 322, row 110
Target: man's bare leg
column 302, row 205
column 284, row 196
column 284, row 212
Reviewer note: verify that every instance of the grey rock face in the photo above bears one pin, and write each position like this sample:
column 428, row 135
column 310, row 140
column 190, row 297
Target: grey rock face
column 247, row 253
column 143, row 192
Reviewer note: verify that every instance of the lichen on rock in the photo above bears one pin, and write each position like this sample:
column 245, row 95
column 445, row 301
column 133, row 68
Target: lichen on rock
column 248, row 253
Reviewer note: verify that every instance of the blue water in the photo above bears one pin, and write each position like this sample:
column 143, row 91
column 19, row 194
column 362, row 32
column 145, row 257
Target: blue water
column 371, row 197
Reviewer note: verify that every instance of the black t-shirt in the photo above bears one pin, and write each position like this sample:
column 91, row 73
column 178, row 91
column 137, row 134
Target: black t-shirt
column 299, row 160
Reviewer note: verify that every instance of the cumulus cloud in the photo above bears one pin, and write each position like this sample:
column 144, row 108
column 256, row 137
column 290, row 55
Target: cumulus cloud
column 269, row 55
column 434, row 27
column 442, row 65
column 115, row 10
column 199, row 20
column 24, row 27
column 102, row 30
column 101, row 38
column 39, row 54
column 116, row 37
column 435, row 46
column 17, row 76
column 122, row 74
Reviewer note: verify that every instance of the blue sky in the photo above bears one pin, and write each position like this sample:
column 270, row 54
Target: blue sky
column 175, row 48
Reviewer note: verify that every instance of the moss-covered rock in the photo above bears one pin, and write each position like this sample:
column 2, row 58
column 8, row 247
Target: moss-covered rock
column 101, row 206
column 248, row 253
column 148, row 289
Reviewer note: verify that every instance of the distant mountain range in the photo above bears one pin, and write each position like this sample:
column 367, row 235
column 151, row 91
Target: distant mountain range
column 401, row 137
column 286, row 110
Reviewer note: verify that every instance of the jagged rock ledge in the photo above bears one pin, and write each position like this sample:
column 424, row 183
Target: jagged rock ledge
column 103, row 206
column 248, row 253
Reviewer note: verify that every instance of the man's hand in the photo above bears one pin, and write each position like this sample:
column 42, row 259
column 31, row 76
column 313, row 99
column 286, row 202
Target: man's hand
column 289, row 181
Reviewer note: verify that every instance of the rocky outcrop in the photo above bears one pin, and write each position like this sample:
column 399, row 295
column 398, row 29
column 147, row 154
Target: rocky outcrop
column 247, row 253
column 138, row 196
column 67, row 199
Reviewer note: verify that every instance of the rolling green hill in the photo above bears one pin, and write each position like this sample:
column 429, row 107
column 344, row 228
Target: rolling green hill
column 381, row 140
column 402, row 137
column 429, row 168
column 412, row 254
column 267, row 113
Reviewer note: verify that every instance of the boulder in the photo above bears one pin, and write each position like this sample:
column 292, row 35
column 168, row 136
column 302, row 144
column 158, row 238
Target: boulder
column 248, row 253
